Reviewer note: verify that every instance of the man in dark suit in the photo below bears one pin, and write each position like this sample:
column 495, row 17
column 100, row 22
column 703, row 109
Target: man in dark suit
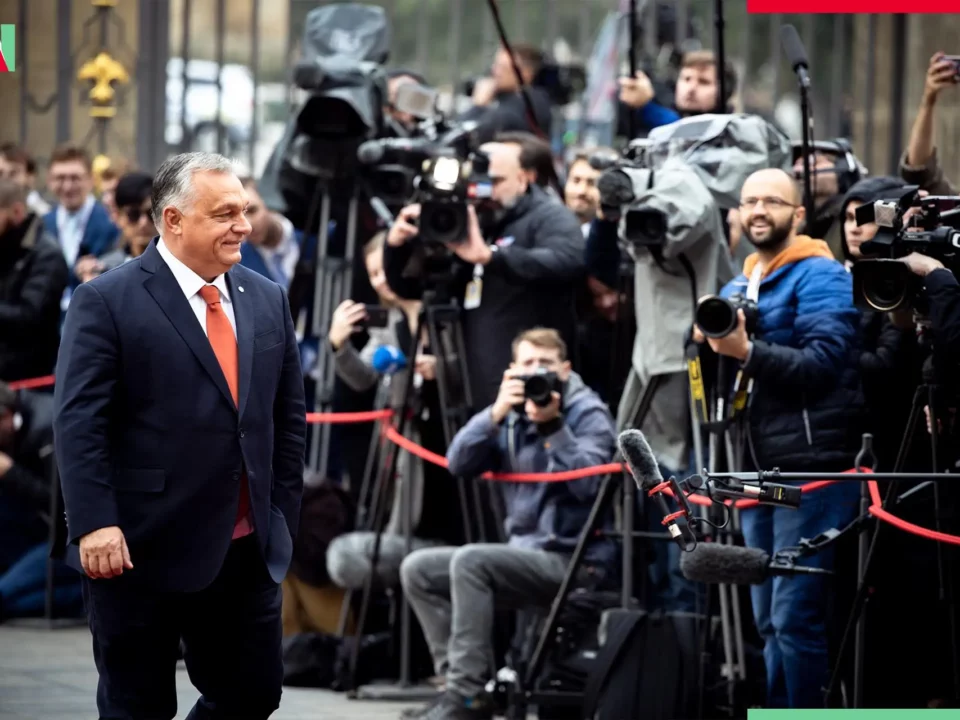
column 180, row 432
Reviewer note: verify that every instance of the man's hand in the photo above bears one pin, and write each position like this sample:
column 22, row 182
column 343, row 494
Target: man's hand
column 87, row 268
column 426, row 366
column 344, row 322
column 940, row 74
column 636, row 91
column 540, row 415
column 484, row 91
column 404, row 226
column 6, row 462
column 104, row 553
column 510, row 395
column 735, row 345
column 475, row 249
column 921, row 265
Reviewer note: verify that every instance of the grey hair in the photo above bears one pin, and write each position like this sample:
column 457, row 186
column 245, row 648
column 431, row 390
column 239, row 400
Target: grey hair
column 173, row 183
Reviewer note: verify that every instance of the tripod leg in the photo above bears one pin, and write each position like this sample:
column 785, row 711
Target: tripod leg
column 321, row 319
column 916, row 410
column 601, row 505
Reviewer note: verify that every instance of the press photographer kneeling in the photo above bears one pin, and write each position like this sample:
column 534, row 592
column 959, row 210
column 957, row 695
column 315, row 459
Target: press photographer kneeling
column 799, row 364
column 544, row 420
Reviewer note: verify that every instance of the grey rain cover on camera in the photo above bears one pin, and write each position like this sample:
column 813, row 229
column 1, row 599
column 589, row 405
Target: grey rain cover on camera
column 723, row 149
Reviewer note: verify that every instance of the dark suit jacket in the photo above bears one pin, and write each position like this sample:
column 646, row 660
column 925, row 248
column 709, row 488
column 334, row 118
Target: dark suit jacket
column 99, row 236
column 148, row 437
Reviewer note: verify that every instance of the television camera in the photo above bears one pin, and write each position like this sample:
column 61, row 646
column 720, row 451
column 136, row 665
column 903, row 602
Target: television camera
column 906, row 223
column 438, row 167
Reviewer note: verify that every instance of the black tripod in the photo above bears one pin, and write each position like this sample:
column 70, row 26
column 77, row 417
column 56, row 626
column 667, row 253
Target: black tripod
column 439, row 318
column 524, row 694
column 926, row 394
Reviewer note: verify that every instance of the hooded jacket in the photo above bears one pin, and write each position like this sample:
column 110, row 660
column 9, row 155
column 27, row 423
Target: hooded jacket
column 889, row 357
column 544, row 515
column 805, row 406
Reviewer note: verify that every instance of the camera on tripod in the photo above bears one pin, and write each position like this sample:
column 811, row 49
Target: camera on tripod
column 539, row 387
column 884, row 283
column 623, row 180
column 717, row 317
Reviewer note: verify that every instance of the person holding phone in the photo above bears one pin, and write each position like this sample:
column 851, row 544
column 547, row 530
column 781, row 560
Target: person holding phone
column 390, row 327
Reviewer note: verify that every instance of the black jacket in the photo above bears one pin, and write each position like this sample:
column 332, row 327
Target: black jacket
column 530, row 282
column 508, row 112
column 28, row 480
column 33, row 276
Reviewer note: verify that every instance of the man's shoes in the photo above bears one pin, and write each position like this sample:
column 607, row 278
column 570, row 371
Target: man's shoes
column 421, row 710
column 451, row 706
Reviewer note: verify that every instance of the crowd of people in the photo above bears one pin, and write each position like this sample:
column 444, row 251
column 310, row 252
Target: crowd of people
column 542, row 290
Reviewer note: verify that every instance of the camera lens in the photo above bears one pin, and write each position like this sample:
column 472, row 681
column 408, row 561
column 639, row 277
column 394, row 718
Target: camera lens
column 886, row 289
column 538, row 389
column 716, row 317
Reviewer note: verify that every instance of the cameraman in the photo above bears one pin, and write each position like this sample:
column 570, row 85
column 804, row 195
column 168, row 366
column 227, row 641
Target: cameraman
column 498, row 103
column 454, row 591
column 942, row 292
column 802, row 416
column 518, row 273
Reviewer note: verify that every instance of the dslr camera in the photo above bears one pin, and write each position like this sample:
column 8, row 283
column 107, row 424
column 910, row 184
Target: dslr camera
column 717, row 317
column 884, row 283
column 538, row 386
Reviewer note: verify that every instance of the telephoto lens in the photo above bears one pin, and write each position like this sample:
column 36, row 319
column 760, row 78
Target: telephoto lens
column 716, row 317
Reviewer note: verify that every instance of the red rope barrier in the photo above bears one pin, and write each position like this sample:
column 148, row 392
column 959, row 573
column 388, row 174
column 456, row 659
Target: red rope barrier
column 876, row 508
column 32, row 383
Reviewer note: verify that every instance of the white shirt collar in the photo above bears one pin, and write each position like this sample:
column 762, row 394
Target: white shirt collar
column 186, row 278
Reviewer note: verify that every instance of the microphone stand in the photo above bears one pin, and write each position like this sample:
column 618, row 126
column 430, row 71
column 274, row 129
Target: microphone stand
column 721, row 57
column 806, row 132
column 632, row 60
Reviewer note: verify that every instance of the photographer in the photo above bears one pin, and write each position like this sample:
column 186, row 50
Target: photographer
column 519, row 272
column 562, row 425
column 888, row 353
column 498, row 103
column 802, row 415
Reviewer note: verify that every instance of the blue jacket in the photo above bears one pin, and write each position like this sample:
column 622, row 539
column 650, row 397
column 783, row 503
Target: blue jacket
column 99, row 236
column 548, row 515
column 806, row 403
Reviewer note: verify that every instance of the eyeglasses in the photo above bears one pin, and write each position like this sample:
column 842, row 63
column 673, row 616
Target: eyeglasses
column 134, row 214
column 772, row 203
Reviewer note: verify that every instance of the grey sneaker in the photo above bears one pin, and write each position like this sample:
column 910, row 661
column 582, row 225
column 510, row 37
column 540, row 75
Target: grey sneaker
column 455, row 707
column 421, row 710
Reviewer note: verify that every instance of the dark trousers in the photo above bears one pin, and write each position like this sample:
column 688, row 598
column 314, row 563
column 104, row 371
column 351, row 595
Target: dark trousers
column 231, row 633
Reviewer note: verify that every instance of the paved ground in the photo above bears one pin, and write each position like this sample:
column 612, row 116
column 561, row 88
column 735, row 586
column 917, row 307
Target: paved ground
column 49, row 675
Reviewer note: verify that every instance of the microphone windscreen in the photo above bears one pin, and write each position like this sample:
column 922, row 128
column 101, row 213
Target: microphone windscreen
column 717, row 564
column 640, row 458
column 793, row 47
column 388, row 359
column 615, row 188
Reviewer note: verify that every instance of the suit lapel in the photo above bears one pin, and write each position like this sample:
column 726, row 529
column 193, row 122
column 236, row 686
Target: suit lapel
column 242, row 312
column 163, row 287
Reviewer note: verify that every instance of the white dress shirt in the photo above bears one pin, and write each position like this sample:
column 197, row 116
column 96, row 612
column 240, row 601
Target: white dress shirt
column 191, row 283
column 71, row 227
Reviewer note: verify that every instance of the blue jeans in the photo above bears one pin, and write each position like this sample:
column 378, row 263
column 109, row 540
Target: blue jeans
column 670, row 591
column 20, row 529
column 791, row 611
column 23, row 587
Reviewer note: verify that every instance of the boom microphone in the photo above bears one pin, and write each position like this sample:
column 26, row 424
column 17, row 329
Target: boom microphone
column 795, row 52
column 646, row 473
column 717, row 564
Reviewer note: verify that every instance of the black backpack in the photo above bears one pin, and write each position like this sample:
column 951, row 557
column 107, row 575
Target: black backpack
column 648, row 667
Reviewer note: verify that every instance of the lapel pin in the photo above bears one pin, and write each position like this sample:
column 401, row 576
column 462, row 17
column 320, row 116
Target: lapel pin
column 240, row 288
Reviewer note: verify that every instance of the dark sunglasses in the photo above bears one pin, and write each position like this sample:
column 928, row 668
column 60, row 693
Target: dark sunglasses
column 134, row 214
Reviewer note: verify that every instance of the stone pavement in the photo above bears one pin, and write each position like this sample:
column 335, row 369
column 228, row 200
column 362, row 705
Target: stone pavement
column 49, row 675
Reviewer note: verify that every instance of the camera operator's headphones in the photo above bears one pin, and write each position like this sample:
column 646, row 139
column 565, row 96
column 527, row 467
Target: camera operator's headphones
column 848, row 168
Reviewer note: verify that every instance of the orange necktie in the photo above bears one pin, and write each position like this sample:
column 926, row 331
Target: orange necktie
column 224, row 344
